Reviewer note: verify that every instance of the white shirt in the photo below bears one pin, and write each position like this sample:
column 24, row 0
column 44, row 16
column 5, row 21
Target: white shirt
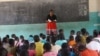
column 74, row 36
column 55, row 48
column 94, row 45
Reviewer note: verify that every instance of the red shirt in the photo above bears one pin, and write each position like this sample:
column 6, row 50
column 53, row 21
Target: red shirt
column 32, row 52
column 88, row 52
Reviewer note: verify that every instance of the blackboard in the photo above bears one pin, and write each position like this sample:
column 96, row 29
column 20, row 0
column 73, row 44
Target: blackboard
column 35, row 11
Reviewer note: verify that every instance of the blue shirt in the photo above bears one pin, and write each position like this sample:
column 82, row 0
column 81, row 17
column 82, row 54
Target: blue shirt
column 31, row 40
column 60, row 42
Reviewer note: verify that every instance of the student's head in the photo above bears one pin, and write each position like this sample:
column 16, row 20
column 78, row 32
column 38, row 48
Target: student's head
column 21, row 37
column 95, row 33
column 36, row 38
column 31, row 36
column 16, row 38
column 11, row 42
column 61, row 31
column 44, row 37
column 32, row 46
column 47, row 47
column 26, row 42
column 51, row 12
column 7, row 36
column 78, row 39
column 65, row 50
column 13, row 35
column 5, row 40
column 64, row 46
column 89, row 39
column 41, row 34
column 71, row 38
column 81, row 47
column 83, row 31
column 72, row 32
column 78, row 33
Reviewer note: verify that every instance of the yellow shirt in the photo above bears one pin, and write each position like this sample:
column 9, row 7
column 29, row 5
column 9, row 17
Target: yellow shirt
column 83, row 39
column 39, row 49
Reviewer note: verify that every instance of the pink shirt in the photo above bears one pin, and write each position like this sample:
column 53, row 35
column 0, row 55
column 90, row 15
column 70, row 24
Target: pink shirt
column 31, row 52
column 50, row 54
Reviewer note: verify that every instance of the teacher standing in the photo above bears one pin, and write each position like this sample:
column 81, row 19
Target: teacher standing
column 51, row 23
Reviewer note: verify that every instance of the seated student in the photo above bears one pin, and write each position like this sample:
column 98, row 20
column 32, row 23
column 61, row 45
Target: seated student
column 23, row 50
column 55, row 48
column 3, row 51
column 61, row 38
column 31, row 50
column 5, row 42
column 30, row 39
column 41, row 35
column 61, row 34
column 16, row 42
column 84, row 35
column 43, row 39
column 39, row 46
column 89, row 39
column 64, row 51
column 13, row 36
column 47, row 50
column 72, row 33
column 78, row 42
column 95, row 43
column 21, row 40
column 71, row 41
column 11, row 49
column 86, row 52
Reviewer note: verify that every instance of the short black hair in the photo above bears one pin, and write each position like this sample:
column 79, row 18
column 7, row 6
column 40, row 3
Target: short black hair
column 47, row 47
column 32, row 45
column 81, row 47
column 78, row 39
column 36, row 38
column 60, row 30
column 5, row 39
column 41, row 34
column 44, row 36
column 13, row 35
column 89, row 39
column 72, row 31
column 64, row 45
column 21, row 36
column 30, row 35
column 11, row 42
column 7, row 36
column 78, row 33
column 71, row 38
column 83, row 31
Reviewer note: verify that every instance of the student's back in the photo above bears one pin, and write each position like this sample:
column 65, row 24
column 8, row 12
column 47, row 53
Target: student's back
column 88, row 52
column 60, row 42
column 39, row 46
column 64, row 50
